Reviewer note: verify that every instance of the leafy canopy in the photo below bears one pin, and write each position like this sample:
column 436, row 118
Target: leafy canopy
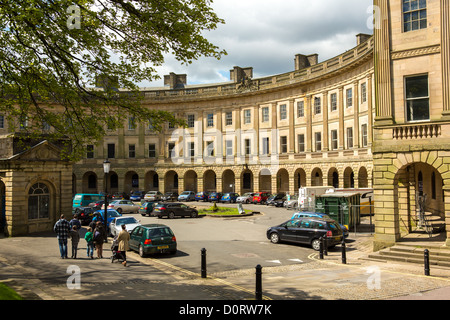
column 53, row 53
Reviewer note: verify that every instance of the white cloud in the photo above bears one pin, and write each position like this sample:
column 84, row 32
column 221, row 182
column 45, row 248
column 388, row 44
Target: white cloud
column 267, row 34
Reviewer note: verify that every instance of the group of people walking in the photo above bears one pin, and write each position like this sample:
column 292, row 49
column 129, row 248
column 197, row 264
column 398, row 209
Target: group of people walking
column 95, row 237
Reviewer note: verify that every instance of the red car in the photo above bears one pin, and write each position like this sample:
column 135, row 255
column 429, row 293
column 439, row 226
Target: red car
column 261, row 197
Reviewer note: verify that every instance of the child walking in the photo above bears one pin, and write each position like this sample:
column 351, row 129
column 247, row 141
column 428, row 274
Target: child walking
column 75, row 237
column 89, row 237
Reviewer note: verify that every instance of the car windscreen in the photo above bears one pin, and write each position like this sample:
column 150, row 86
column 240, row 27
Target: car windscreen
column 120, row 222
column 160, row 232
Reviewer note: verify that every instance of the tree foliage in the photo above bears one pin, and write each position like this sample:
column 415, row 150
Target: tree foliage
column 54, row 52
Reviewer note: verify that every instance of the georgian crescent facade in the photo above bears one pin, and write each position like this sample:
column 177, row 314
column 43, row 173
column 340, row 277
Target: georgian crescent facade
column 373, row 117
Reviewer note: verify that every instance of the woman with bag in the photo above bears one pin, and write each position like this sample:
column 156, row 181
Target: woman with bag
column 123, row 239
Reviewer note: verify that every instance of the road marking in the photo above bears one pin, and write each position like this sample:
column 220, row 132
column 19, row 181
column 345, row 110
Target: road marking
column 296, row 260
column 274, row 261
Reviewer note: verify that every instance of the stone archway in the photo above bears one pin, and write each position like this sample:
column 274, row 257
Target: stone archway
column 151, row 181
column 316, row 178
column 2, row 206
column 90, row 182
column 283, row 181
column 171, row 181
column 191, row 181
column 246, row 181
column 265, row 180
column 299, row 179
column 210, row 181
column 363, row 179
column 349, row 178
column 228, row 181
column 333, row 178
column 396, row 186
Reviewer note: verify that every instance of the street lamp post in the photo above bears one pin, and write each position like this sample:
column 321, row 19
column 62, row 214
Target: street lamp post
column 106, row 168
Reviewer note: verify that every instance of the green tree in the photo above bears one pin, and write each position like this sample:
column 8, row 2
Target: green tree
column 53, row 53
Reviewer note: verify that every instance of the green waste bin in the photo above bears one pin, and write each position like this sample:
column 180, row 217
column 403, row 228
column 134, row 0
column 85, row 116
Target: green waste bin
column 344, row 207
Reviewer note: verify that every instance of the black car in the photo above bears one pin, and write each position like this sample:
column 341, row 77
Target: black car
column 279, row 202
column 307, row 231
column 85, row 214
column 273, row 199
column 170, row 196
column 171, row 210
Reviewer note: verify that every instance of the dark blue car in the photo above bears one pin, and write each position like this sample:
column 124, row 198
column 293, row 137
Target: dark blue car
column 202, row 196
column 319, row 215
column 229, row 197
column 215, row 197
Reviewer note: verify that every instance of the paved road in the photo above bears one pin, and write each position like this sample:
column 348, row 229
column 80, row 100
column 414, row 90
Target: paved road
column 31, row 265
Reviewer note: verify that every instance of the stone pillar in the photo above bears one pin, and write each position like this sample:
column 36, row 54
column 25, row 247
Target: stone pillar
column 445, row 57
column 291, row 146
column 308, row 117
column 341, row 119
column 382, row 53
column 369, row 111
column 356, row 140
column 325, row 140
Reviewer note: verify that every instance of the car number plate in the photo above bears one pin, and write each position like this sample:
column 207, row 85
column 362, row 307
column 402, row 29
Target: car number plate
column 163, row 247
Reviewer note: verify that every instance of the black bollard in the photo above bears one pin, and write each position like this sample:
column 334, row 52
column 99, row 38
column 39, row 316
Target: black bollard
column 427, row 262
column 203, row 263
column 321, row 248
column 325, row 246
column 344, row 253
column 258, row 290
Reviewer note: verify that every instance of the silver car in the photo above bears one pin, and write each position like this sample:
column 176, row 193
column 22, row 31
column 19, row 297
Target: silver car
column 153, row 196
column 123, row 206
column 245, row 198
column 129, row 222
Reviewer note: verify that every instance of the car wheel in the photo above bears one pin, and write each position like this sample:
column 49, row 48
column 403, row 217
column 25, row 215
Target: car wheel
column 315, row 244
column 141, row 251
column 171, row 215
column 274, row 238
column 194, row 214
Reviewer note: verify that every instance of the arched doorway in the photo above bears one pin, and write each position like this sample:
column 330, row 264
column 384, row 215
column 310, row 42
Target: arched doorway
column 90, row 182
column 349, row 178
column 131, row 182
column 316, row 178
column 363, row 179
column 246, row 181
column 228, row 181
column 2, row 206
column 151, row 181
column 171, row 181
column 283, row 181
column 299, row 179
column 209, row 181
column 265, row 180
column 333, row 178
column 416, row 186
column 191, row 181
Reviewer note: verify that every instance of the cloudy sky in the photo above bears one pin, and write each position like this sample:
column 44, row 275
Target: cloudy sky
column 267, row 34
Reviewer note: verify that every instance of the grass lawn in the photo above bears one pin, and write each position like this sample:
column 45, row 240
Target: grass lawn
column 6, row 293
column 221, row 211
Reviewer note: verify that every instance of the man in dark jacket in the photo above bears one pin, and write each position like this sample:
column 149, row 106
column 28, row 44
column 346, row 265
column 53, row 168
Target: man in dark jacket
column 62, row 229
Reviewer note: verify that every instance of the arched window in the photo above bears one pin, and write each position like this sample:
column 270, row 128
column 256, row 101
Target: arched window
column 38, row 202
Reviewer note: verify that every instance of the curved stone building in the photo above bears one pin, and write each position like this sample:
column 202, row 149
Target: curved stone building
column 308, row 127
column 375, row 117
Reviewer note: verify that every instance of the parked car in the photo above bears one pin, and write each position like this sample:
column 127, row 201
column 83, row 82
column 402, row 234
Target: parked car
column 120, row 196
column 202, row 196
column 215, row 197
column 187, row 196
column 245, row 198
column 229, row 197
column 261, row 197
column 137, row 195
column 116, row 225
column 319, row 215
column 172, row 210
column 85, row 214
column 97, row 205
column 123, row 206
column 275, row 199
column 292, row 203
column 147, row 207
column 307, row 231
column 170, row 196
column 153, row 238
column 112, row 214
column 153, row 196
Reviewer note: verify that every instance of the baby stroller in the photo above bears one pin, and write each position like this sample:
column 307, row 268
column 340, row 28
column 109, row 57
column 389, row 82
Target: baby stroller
column 115, row 253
